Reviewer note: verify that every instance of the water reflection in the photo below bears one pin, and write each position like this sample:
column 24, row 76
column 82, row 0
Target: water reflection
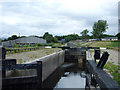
column 69, row 75
column 71, row 81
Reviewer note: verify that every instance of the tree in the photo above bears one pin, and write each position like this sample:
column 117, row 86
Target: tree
column 118, row 35
column 68, row 38
column 22, row 36
column 55, row 40
column 85, row 34
column 13, row 37
column 0, row 41
column 75, row 36
column 99, row 28
column 48, row 37
column 59, row 37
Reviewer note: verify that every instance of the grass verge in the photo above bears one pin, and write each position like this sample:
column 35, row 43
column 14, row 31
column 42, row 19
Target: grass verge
column 114, row 71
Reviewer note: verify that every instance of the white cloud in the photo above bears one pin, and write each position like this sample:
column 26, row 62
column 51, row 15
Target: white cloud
column 11, row 20
column 59, row 17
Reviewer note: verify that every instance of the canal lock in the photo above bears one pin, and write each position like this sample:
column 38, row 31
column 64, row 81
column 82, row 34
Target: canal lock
column 72, row 74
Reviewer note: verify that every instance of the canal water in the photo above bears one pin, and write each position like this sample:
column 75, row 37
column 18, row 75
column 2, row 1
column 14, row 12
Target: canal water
column 68, row 75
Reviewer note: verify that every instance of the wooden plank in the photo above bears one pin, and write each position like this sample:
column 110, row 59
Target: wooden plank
column 21, row 66
column 102, row 78
column 93, row 47
column 73, row 58
column 27, row 82
column 6, row 62
column 19, row 80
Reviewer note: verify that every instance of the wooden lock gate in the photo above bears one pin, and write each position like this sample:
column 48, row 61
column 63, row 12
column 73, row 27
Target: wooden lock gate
column 32, row 81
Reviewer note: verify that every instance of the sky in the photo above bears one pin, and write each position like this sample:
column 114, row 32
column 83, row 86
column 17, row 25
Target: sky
column 58, row 17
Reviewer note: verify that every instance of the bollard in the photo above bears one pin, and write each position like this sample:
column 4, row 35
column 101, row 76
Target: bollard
column 96, row 54
column 39, row 74
column 2, row 57
column 15, row 50
column 103, row 60
column 2, row 53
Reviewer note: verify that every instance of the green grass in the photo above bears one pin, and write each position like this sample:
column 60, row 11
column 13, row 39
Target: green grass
column 58, row 45
column 113, row 69
column 114, row 44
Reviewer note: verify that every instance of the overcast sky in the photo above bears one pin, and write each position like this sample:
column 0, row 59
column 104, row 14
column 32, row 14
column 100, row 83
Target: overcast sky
column 58, row 17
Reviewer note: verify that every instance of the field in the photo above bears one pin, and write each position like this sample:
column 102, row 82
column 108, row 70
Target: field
column 108, row 44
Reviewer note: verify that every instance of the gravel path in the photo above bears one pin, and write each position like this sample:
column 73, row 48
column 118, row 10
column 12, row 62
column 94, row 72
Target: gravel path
column 31, row 55
column 113, row 58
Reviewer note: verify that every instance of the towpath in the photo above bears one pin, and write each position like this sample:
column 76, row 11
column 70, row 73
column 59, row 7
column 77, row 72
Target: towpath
column 31, row 55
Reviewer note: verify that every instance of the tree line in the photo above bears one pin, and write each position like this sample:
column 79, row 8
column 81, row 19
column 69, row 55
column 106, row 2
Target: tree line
column 99, row 28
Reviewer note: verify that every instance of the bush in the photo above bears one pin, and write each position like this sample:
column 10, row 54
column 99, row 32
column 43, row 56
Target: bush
column 116, row 41
column 35, row 45
column 16, row 45
column 39, row 44
column 51, row 44
column 26, row 45
column 44, row 45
